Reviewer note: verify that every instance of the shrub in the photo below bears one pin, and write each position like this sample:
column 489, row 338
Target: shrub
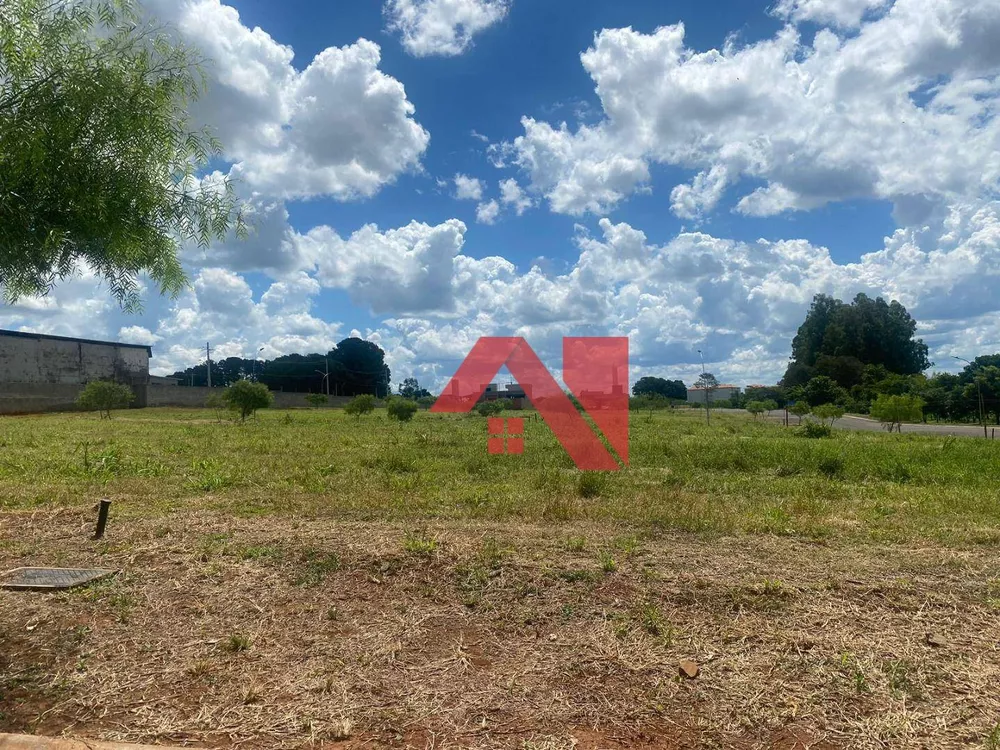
column 490, row 408
column 246, row 397
column 402, row 409
column 426, row 402
column 360, row 405
column 103, row 396
column 316, row 399
column 830, row 412
column 756, row 408
column 814, row 430
column 649, row 402
column 800, row 409
column 892, row 411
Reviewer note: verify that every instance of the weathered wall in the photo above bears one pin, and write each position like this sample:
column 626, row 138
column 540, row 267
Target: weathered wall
column 25, row 398
column 176, row 395
column 43, row 360
column 697, row 396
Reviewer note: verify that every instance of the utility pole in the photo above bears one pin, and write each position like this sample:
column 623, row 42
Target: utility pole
column 979, row 389
column 208, row 360
column 708, row 406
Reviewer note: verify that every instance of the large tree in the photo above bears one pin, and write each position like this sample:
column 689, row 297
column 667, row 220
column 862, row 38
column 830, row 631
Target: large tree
column 364, row 367
column 653, row 386
column 837, row 340
column 410, row 388
column 99, row 166
column 981, row 379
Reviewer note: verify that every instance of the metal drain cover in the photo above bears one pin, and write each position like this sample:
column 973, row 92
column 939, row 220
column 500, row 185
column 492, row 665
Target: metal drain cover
column 50, row 579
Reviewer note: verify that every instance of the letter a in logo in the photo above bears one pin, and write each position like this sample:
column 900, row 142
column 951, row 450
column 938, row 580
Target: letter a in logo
column 594, row 369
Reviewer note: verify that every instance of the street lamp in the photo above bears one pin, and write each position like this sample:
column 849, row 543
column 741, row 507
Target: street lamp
column 254, row 368
column 326, row 377
column 979, row 389
column 708, row 408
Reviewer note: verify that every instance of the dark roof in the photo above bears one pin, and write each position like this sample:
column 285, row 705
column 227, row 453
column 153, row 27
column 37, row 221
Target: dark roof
column 29, row 335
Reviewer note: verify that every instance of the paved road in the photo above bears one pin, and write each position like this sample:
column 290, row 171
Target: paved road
column 872, row 425
column 864, row 423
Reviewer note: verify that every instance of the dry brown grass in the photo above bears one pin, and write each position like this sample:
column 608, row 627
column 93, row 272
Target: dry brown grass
column 277, row 633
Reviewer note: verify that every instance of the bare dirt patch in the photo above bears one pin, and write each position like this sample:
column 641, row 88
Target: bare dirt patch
column 275, row 633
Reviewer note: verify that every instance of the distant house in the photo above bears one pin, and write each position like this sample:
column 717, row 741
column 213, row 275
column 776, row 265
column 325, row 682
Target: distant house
column 515, row 395
column 720, row 393
column 165, row 381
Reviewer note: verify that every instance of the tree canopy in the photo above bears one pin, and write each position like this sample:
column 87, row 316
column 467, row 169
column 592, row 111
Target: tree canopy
column 653, row 386
column 839, row 340
column 892, row 411
column 355, row 367
column 411, row 389
column 98, row 163
column 362, row 367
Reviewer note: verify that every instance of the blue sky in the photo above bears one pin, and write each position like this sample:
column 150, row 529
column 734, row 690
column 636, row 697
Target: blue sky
column 528, row 64
column 687, row 174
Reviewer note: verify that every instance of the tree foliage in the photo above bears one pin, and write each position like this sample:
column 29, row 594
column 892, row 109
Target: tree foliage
column 823, row 390
column 708, row 383
column 360, row 405
column 837, row 340
column 758, row 406
column 103, row 396
column 652, row 386
column 777, row 394
column 316, row 400
column 354, row 369
column 246, row 397
column 828, row 413
column 363, row 367
column 491, row 408
column 402, row 409
column 892, row 411
column 98, row 163
column 800, row 409
column 411, row 389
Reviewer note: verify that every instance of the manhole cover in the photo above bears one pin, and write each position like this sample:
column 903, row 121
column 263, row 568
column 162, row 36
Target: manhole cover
column 51, row 578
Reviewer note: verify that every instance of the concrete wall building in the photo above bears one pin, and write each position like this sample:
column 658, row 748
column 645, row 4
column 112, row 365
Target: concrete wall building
column 39, row 372
column 721, row 393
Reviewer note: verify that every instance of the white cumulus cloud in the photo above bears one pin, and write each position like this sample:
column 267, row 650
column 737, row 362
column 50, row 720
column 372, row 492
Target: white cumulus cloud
column 903, row 111
column 441, row 27
column 487, row 213
column 843, row 13
column 397, row 271
column 468, row 188
column 512, row 195
column 340, row 127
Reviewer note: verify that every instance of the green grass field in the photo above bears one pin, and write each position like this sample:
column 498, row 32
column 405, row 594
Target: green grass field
column 735, row 476
column 312, row 580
